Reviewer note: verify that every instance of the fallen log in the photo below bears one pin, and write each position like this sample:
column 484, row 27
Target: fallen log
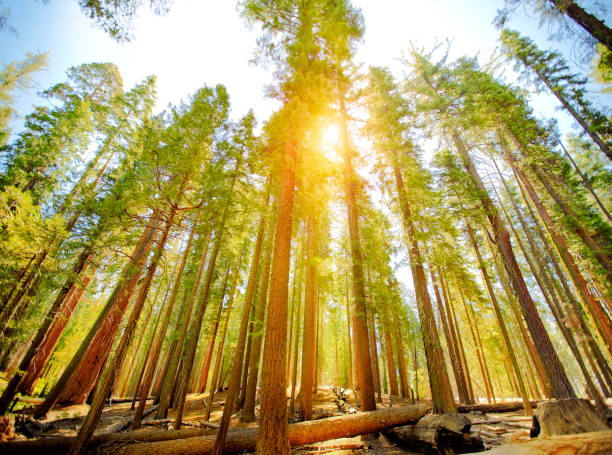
column 191, row 422
column 116, row 400
column 509, row 419
column 61, row 444
column 597, row 442
column 243, row 440
column 567, row 416
column 495, row 407
column 438, row 434
column 126, row 422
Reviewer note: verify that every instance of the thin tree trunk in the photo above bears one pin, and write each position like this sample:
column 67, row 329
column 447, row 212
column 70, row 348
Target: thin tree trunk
column 108, row 377
column 451, row 343
column 248, row 409
column 500, row 321
column 237, row 361
column 211, row 343
column 191, row 341
column 170, row 370
column 441, row 390
column 561, row 387
column 401, row 360
column 362, row 353
column 156, row 350
column 122, row 292
column 211, row 390
column 308, row 343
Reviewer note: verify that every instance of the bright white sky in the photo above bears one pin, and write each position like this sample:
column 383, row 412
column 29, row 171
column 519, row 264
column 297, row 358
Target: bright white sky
column 206, row 42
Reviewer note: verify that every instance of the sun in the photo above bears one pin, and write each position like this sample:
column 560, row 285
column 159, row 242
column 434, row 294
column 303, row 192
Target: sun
column 330, row 140
column 331, row 135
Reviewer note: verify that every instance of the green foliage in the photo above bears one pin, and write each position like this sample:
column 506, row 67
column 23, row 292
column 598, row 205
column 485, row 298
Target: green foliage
column 16, row 76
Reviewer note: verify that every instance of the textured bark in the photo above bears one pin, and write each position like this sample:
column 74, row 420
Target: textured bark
column 478, row 347
column 454, row 332
column 191, row 340
column 558, row 313
column 156, row 349
column 599, row 442
column 170, row 373
column 401, row 359
column 445, row 433
column 569, row 416
column 500, row 321
column 349, row 339
column 601, row 321
column 272, row 435
column 374, row 355
column 108, row 377
column 248, row 409
column 362, row 352
column 451, row 343
column 49, row 332
column 59, row 444
column 145, row 326
column 237, row 361
column 561, row 387
column 297, row 296
column 393, row 390
column 441, row 390
column 217, row 366
column 122, row 292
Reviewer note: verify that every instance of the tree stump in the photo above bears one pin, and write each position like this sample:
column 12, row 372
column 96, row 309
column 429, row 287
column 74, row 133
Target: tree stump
column 439, row 434
column 567, row 416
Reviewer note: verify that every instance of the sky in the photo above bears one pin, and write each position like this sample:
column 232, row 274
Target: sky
column 205, row 42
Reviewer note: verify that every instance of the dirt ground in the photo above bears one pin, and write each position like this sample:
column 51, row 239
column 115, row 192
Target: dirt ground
column 66, row 420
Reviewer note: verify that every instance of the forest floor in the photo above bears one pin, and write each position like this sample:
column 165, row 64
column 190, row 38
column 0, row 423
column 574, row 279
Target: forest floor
column 495, row 428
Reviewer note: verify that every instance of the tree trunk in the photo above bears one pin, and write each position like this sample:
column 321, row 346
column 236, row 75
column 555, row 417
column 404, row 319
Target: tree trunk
column 170, row 373
column 191, row 341
column 108, row 377
column 561, row 387
column 238, row 357
column 243, row 440
column 500, row 321
column 121, row 294
column 601, row 320
column 48, row 334
column 248, row 409
column 216, row 368
column 599, row 442
column 156, row 350
column 297, row 296
column 450, row 342
column 362, row 354
column 308, row 343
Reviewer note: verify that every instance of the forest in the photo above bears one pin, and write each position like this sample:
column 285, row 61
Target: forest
column 186, row 280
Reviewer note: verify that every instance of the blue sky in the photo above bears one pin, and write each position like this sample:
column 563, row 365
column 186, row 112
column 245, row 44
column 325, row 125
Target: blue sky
column 206, row 42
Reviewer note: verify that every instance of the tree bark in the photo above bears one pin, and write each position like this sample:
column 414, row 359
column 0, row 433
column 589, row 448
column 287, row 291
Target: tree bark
column 248, row 409
column 238, row 357
column 500, row 321
column 108, row 377
column 121, row 294
column 561, row 387
column 441, row 390
column 362, row 353
column 156, row 349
